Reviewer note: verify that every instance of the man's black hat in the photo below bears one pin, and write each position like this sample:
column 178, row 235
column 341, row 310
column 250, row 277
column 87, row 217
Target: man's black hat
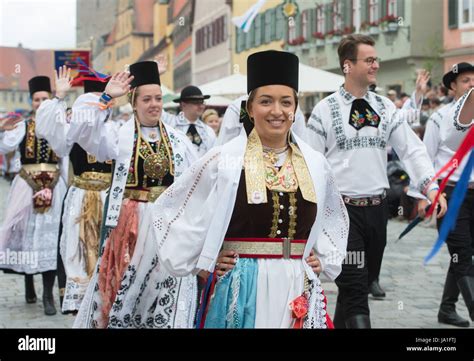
column 456, row 70
column 191, row 92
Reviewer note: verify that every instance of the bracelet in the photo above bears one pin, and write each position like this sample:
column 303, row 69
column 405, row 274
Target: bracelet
column 105, row 98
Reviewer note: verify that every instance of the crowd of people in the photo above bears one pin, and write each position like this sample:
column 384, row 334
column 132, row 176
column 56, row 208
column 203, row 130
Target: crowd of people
column 156, row 220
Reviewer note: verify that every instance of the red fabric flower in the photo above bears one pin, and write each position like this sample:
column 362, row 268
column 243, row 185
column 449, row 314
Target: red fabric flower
column 299, row 306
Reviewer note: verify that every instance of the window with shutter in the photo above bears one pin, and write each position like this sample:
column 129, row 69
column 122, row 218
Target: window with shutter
column 305, row 25
column 257, row 23
column 373, row 11
column 328, row 18
column 347, row 16
column 392, row 7
column 336, row 16
column 280, row 23
column 320, row 20
column 267, row 27
column 273, row 24
column 382, row 9
column 453, row 14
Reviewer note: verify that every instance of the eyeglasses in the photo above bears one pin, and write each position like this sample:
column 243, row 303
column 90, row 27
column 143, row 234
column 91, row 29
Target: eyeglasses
column 370, row 60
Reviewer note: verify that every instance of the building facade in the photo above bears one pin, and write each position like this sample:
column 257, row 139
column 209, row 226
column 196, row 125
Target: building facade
column 404, row 40
column 212, row 49
column 458, row 26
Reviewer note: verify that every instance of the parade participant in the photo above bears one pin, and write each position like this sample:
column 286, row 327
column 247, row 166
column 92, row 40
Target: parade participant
column 461, row 133
column 211, row 118
column 353, row 127
column 31, row 223
column 189, row 120
column 265, row 204
column 83, row 205
column 460, row 79
column 148, row 156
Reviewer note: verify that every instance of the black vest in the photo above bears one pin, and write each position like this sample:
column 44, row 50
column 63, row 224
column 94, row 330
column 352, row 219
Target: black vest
column 82, row 162
column 34, row 150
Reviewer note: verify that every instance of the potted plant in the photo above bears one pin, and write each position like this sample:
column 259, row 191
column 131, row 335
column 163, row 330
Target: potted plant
column 348, row 30
column 337, row 36
column 319, row 38
column 374, row 28
column 391, row 23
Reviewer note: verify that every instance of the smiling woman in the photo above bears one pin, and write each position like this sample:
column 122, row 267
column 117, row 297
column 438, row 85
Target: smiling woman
column 261, row 213
column 148, row 156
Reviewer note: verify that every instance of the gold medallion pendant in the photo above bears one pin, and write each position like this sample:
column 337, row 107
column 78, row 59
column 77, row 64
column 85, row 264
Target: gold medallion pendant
column 156, row 165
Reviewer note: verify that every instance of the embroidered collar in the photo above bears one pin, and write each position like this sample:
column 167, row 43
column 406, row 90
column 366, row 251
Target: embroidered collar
column 182, row 120
column 348, row 98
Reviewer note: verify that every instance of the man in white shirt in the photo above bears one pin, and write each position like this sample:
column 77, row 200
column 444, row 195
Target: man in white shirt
column 460, row 79
column 353, row 128
column 460, row 245
column 188, row 121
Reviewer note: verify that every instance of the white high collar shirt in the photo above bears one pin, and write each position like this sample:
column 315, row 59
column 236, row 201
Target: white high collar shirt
column 359, row 158
column 182, row 124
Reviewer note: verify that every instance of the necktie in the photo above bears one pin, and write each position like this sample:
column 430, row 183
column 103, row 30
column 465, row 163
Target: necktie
column 193, row 135
column 363, row 114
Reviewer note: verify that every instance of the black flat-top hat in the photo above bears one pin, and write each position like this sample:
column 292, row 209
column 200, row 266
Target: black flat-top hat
column 38, row 84
column 456, row 70
column 191, row 92
column 91, row 86
column 270, row 68
column 145, row 72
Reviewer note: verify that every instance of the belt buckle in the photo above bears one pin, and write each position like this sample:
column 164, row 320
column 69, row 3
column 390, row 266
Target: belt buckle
column 286, row 248
column 376, row 201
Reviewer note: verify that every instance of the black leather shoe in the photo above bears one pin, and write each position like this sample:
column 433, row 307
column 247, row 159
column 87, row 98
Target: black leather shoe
column 358, row 321
column 30, row 294
column 375, row 290
column 48, row 303
column 451, row 317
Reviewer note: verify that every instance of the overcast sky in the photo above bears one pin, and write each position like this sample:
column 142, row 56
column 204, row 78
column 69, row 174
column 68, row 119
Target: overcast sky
column 38, row 24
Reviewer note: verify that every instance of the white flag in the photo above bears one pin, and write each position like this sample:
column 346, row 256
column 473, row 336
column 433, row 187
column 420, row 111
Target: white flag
column 245, row 21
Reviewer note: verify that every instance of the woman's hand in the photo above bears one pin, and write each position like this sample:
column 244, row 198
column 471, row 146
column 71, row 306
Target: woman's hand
column 162, row 64
column 314, row 263
column 63, row 81
column 119, row 84
column 10, row 122
column 225, row 262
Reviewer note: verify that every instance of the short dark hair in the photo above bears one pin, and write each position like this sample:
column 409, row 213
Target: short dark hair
column 348, row 47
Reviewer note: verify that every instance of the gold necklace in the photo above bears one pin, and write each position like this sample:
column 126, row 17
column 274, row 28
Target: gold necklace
column 272, row 153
